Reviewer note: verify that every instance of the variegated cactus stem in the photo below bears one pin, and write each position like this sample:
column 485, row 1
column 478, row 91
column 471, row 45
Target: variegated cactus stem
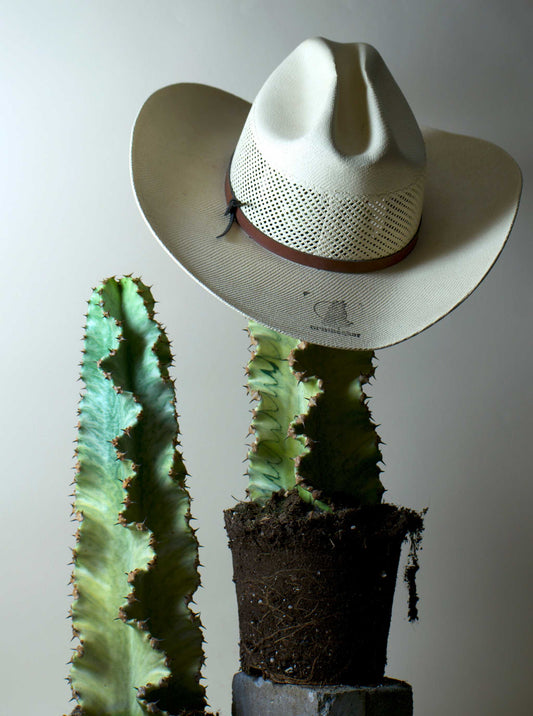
column 313, row 430
column 136, row 556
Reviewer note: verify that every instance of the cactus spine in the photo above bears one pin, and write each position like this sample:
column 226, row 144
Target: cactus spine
column 136, row 557
column 313, row 429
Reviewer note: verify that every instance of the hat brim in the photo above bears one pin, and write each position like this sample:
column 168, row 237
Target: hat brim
column 182, row 143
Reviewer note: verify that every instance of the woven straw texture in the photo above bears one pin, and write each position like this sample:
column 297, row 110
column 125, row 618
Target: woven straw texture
column 332, row 225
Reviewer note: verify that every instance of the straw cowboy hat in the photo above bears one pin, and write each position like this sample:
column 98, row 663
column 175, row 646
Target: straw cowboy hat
column 322, row 210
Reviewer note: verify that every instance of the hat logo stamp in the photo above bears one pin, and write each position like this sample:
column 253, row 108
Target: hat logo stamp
column 332, row 313
column 334, row 317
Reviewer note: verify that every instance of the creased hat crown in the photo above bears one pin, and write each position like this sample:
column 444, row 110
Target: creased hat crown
column 330, row 162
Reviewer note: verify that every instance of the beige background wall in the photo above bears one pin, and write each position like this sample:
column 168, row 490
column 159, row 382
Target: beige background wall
column 454, row 403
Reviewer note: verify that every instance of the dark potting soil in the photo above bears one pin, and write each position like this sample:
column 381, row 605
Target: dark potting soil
column 315, row 589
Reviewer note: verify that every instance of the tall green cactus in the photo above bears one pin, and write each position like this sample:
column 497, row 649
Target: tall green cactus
column 136, row 557
column 312, row 427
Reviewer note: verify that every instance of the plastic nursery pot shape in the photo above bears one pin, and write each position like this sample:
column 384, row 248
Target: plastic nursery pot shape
column 315, row 590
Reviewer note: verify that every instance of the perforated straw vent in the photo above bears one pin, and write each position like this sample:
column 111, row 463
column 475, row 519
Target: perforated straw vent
column 336, row 226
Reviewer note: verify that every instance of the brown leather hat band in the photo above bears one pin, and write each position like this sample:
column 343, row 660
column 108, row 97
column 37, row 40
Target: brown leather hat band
column 320, row 262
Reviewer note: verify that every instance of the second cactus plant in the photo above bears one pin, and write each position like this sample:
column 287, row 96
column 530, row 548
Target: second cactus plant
column 315, row 551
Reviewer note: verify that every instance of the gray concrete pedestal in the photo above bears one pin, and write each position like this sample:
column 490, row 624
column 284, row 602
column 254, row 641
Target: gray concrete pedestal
column 254, row 696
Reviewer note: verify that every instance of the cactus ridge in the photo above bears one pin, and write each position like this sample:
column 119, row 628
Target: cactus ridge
column 280, row 398
column 136, row 558
column 343, row 455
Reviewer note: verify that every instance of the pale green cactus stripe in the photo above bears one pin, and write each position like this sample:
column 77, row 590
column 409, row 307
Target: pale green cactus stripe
column 135, row 519
column 343, row 458
column 281, row 397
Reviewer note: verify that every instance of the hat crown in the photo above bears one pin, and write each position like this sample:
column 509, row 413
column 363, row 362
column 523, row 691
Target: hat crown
column 332, row 115
column 330, row 162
